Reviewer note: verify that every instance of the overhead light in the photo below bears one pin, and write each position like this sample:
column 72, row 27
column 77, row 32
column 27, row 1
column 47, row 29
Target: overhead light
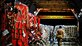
column 56, row 17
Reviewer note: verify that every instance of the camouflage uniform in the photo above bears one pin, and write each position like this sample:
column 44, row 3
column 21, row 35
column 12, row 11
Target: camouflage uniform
column 59, row 36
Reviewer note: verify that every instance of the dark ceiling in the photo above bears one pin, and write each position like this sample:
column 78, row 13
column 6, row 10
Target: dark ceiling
column 54, row 22
column 77, row 4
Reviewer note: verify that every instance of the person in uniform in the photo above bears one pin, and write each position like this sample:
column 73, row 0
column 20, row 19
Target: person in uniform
column 60, row 35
